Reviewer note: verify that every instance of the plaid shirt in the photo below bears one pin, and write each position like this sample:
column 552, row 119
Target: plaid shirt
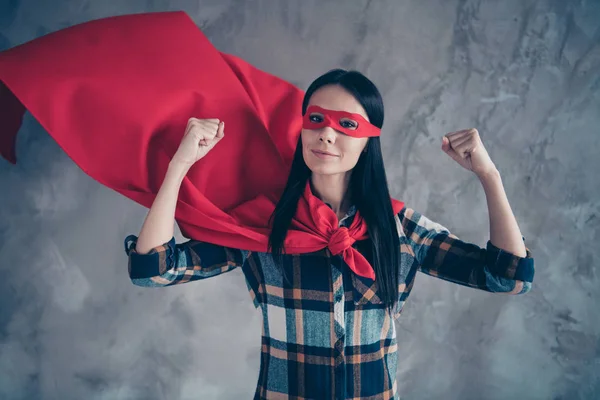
column 326, row 334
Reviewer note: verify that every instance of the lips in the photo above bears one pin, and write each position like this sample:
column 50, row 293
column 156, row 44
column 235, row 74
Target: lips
column 323, row 153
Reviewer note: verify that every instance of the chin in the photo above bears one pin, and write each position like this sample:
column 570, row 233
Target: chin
column 324, row 169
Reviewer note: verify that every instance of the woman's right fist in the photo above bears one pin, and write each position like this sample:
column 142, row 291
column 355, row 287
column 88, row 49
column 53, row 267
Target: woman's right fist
column 200, row 136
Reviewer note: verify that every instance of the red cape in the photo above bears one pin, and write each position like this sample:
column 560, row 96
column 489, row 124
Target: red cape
column 116, row 94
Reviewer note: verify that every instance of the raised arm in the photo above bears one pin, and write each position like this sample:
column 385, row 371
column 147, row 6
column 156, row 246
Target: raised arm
column 154, row 257
column 505, row 266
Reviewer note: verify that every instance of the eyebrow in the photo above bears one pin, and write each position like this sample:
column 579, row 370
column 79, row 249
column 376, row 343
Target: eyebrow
column 338, row 111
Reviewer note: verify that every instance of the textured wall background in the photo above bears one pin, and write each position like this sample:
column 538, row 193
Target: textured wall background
column 525, row 73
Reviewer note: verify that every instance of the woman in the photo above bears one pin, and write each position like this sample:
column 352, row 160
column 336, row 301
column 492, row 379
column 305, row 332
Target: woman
column 328, row 327
column 333, row 269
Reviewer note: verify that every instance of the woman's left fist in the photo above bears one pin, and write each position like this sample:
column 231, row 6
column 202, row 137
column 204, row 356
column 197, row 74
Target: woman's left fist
column 465, row 147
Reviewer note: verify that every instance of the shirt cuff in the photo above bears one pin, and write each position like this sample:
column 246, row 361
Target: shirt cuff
column 156, row 262
column 509, row 265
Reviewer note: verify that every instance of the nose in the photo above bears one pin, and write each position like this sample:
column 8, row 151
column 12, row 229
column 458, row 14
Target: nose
column 327, row 134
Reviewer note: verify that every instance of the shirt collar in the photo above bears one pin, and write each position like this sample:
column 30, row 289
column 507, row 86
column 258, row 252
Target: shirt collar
column 347, row 219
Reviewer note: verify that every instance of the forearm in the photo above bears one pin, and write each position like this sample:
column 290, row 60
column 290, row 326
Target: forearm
column 159, row 224
column 504, row 230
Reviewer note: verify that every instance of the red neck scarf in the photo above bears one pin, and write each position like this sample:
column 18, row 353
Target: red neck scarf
column 119, row 108
column 322, row 222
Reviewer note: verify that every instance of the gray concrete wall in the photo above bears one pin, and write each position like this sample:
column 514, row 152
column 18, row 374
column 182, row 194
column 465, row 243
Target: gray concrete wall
column 525, row 73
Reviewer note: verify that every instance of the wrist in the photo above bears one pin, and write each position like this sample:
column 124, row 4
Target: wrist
column 178, row 165
column 178, row 169
column 491, row 175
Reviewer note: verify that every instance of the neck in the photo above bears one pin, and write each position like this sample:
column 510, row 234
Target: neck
column 333, row 190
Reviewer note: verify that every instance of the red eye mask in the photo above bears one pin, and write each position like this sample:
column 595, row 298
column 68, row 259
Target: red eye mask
column 333, row 119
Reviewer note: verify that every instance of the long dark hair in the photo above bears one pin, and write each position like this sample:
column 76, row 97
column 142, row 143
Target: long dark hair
column 368, row 185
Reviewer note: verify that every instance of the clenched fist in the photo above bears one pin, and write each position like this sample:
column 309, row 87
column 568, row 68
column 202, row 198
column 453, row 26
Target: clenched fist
column 200, row 136
column 465, row 147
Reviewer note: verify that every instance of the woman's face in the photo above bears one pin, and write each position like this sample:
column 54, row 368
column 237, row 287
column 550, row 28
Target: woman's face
column 345, row 149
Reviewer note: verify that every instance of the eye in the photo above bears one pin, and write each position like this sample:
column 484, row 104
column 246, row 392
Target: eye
column 316, row 118
column 348, row 123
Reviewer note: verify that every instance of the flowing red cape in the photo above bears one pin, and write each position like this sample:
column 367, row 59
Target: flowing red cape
column 116, row 94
